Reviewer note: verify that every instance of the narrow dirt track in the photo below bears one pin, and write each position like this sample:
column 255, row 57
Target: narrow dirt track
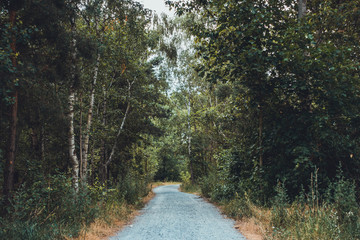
column 175, row 215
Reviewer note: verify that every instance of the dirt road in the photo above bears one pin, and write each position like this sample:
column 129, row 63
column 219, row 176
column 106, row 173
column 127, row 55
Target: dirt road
column 175, row 215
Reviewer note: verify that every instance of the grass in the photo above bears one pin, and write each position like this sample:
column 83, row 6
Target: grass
column 115, row 217
column 156, row 184
column 118, row 217
column 190, row 188
column 250, row 220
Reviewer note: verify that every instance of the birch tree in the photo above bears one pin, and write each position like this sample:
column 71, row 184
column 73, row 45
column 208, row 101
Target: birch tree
column 95, row 18
column 72, row 94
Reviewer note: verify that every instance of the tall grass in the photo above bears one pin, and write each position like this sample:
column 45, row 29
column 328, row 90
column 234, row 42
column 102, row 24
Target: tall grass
column 330, row 216
column 50, row 209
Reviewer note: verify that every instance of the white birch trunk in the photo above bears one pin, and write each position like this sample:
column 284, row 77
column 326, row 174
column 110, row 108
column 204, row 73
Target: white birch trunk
column 85, row 149
column 104, row 152
column 189, row 135
column 81, row 141
column 121, row 126
column 71, row 139
column 117, row 136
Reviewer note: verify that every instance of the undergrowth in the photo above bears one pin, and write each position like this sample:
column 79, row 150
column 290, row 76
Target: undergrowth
column 51, row 209
column 335, row 215
column 332, row 215
column 187, row 185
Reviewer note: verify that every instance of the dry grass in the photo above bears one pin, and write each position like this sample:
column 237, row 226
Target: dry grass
column 250, row 229
column 257, row 226
column 254, row 228
column 118, row 217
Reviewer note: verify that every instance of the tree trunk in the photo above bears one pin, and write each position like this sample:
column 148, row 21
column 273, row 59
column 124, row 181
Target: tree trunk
column 260, row 136
column 89, row 121
column 35, row 127
column 80, row 141
column 189, row 138
column 10, row 155
column 307, row 96
column 42, row 138
column 118, row 135
column 104, row 152
column 121, row 126
column 71, row 138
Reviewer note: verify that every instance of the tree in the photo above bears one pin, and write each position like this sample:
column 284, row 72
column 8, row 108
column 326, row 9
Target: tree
column 10, row 155
column 272, row 54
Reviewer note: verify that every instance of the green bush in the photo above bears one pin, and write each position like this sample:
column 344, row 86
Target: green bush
column 335, row 218
column 213, row 187
column 208, row 184
column 279, row 213
column 238, row 207
column 47, row 209
column 187, row 185
column 346, row 207
column 132, row 189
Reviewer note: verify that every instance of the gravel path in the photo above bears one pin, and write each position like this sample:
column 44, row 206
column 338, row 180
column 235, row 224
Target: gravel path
column 176, row 215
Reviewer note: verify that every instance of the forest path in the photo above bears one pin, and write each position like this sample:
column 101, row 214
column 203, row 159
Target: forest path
column 175, row 215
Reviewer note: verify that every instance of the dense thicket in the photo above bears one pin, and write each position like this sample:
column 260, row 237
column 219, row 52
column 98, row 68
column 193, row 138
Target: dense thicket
column 278, row 94
column 270, row 111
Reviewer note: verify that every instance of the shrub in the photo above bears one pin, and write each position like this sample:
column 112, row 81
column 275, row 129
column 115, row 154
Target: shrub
column 47, row 209
column 346, row 207
column 132, row 189
column 279, row 213
column 238, row 207
column 207, row 185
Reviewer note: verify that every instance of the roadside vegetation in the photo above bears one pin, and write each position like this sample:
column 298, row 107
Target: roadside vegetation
column 274, row 127
column 332, row 215
column 54, row 211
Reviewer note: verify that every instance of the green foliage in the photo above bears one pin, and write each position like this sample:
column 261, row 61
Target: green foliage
column 279, row 214
column 185, row 177
column 47, row 209
column 187, row 185
column 238, row 207
column 50, row 208
column 337, row 217
column 132, row 188
column 345, row 201
column 346, row 207
column 208, row 184
column 190, row 187
column 215, row 188
column 257, row 95
column 319, row 224
column 282, row 92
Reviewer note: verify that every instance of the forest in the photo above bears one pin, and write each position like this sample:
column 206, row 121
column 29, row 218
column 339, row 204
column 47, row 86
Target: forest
column 252, row 103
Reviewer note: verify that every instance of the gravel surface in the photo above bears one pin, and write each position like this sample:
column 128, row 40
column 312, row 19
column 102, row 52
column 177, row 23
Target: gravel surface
column 175, row 215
